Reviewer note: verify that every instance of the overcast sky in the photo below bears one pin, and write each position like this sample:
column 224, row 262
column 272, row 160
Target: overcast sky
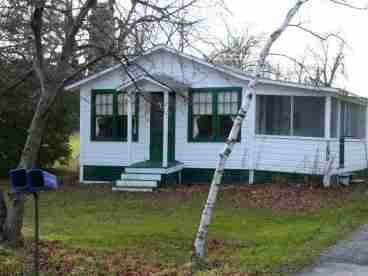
column 263, row 15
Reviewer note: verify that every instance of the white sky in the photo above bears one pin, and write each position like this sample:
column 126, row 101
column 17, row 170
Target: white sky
column 263, row 15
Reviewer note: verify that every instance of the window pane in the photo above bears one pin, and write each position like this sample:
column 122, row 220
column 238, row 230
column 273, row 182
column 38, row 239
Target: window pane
column 202, row 127
column 353, row 120
column 104, row 126
column 227, row 103
column 121, row 106
column 196, row 109
column 225, row 125
column 334, row 117
column 122, row 127
column 273, row 115
column 309, row 114
column 104, row 104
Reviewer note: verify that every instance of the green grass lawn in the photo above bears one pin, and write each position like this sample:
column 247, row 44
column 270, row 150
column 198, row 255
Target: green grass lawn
column 160, row 227
column 99, row 232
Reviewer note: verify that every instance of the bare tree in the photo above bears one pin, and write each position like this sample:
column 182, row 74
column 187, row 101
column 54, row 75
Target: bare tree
column 199, row 243
column 58, row 50
column 239, row 50
column 328, row 64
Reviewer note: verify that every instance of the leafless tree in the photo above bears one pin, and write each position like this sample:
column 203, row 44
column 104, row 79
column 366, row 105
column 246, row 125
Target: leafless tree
column 328, row 64
column 238, row 50
column 53, row 35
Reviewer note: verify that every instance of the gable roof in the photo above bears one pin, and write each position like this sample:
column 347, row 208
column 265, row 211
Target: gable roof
column 228, row 70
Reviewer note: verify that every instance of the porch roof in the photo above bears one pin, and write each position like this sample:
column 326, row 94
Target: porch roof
column 164, row 81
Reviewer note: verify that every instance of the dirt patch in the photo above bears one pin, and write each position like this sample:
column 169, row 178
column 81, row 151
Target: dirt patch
column 270, row 196
column 292, row 197
column 280, row 196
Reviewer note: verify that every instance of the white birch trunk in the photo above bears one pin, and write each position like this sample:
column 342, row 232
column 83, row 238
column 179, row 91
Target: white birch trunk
column 328, row 168
column 199, row 244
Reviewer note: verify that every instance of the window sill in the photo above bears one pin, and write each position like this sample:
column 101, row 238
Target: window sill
column 111, row 141
column 265, row 136
column 210, row 141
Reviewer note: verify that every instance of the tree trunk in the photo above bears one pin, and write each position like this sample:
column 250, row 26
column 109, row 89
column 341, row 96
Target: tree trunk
column 12, row 227
column 200, row 240
column 3, row 213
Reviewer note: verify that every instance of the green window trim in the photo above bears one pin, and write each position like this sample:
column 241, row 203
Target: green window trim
column 115, row 136
column 215, row 116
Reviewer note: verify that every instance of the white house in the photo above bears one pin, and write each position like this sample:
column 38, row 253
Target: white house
column 166, row 118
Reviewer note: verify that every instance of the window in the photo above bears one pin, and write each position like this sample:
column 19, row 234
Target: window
column 122, row 117
column 273, row 115
column 104, row 118
column 212, row 113
column 227, row 109
column 290, row 115
column 353, row 120
column 109, row 116
column 309, row 114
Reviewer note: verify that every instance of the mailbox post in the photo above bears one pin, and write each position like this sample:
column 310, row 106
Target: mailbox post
column 33, row 182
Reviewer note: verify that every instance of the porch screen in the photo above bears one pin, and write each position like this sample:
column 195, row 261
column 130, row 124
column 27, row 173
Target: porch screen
column 353, row 120
column 334, row 117
column 290, row 115
column 309, row 114
column 273, row 115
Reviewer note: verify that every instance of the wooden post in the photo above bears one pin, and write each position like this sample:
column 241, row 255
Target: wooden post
column 130, row 126
column 251, row 176
column 339, row 130
column 252, row 138
column 329, row 159
column 166, row 130
column 328, row 117
column 366, row 124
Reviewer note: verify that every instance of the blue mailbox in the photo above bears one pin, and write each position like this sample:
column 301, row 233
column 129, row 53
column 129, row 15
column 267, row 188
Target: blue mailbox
column 31, row 181
column 18, row 179
column 40, row 180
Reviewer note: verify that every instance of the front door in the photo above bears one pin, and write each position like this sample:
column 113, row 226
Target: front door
column 156, row 122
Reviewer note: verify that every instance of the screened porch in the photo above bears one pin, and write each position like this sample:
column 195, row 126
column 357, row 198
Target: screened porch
column 309, row 116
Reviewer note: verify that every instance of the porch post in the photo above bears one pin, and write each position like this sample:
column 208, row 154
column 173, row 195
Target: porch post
column 252, row 137
column 130, row 126
column 166, row 130
column 328, row 117
column 366, row 124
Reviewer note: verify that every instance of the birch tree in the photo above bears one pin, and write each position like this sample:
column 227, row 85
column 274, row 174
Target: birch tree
column 199, row 243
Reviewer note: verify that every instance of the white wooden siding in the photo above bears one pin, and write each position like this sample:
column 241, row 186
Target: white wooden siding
column 293, row 154
column 203, row 154
column 270, row 153
column 355, row 155
column 99, row 153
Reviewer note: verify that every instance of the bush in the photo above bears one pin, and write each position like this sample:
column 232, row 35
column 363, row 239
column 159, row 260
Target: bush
column 16, row 112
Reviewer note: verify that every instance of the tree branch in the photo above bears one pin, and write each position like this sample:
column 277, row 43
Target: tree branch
column 347, row 4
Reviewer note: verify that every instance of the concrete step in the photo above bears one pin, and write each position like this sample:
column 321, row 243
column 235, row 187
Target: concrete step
column 140, row 176
column 128, row 189
column 145, row 170
column 136, row 183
